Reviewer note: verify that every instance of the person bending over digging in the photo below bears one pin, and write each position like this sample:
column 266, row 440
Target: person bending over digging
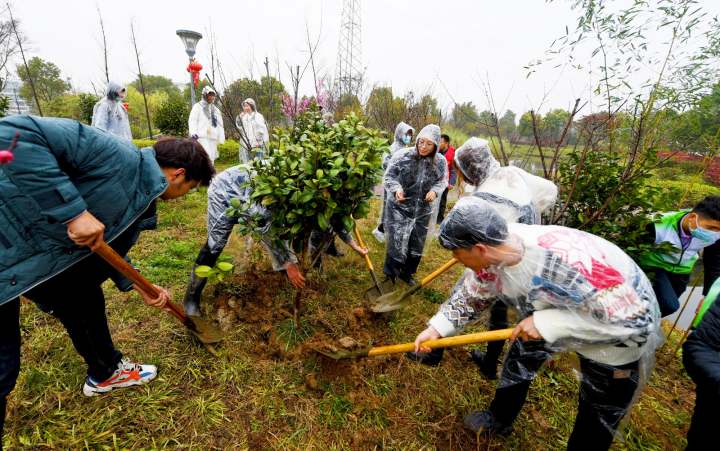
column 517, row 196
column 689, row 232
column 414, row 181
column 70, row 187
column 228, row 185
column 575, row 291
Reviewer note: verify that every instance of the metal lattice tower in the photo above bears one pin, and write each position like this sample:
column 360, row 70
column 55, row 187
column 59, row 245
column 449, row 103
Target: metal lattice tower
column 348, row 77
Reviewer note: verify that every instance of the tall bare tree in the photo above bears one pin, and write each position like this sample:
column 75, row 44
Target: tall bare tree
column 140, row 78
column 104, row 45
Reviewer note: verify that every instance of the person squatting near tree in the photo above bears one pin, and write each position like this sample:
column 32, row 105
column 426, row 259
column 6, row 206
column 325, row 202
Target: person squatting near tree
column 109, row 113
column 689, row 232
column 206, row 124
column 254, row 128
column 517, row 196
column 575, row 291
column 69, row 187
column 414, row 180
column 448, row 152
column 701, row 357
column 403, row 137
column 228, row 185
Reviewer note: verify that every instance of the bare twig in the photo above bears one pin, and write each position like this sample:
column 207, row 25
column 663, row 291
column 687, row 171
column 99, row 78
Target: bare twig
column 555, row 160
column 537, row 142
column 104, row 44
column 140, row 77
column 27, row 68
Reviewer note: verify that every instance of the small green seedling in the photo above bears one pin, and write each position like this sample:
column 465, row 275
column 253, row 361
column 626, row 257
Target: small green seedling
column 217, row 273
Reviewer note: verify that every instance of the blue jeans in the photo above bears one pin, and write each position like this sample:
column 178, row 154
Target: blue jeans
column 668, row 287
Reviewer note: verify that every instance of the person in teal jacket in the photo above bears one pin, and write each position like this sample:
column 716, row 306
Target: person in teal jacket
column 68, row 188
column 688, row 232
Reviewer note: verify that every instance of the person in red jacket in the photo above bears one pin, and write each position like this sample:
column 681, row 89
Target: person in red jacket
column 448, row 152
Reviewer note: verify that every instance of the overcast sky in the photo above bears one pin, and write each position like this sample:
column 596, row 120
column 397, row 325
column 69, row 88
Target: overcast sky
column 444, row 47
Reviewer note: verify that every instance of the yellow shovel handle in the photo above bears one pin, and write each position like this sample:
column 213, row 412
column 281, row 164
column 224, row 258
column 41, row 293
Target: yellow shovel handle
column 362, row 244
column 430, row 277
column 448, row 342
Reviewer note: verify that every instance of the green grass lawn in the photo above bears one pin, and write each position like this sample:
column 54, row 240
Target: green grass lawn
column 267, row 390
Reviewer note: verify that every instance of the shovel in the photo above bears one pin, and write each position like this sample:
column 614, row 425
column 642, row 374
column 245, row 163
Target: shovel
column 396, row 299
column 448, row 342
column 203, row 329
column 373, row 292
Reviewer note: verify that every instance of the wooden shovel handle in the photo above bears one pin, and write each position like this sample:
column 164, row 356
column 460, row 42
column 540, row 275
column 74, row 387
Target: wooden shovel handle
column 430, row 277
column 448, row 342
column 116, row 261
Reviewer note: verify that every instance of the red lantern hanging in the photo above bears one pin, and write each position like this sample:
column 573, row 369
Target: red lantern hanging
column 194, row 68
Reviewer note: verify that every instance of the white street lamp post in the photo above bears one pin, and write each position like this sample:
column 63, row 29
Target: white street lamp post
column 190, row 40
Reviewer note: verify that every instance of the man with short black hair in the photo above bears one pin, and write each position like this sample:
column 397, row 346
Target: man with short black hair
column 69, row 188
column 689, row 232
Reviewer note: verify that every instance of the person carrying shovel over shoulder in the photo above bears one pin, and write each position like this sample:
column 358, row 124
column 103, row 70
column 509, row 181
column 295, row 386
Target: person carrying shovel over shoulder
column 69, row 188
column 517, row 196
column 228, row 185
column 575, row 292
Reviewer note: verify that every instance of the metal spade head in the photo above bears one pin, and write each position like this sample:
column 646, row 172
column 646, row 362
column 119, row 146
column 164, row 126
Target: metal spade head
column 339, row 354
column 391, row 301
column 204, row 329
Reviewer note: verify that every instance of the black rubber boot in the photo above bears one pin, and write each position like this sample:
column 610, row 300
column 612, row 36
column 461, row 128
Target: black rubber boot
column 483, row 422
column 488, row 369
column 432, row 358
column 191, row 302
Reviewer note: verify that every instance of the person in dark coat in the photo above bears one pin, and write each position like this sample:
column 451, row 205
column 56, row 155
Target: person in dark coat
column 701, row 357
column 69, row 188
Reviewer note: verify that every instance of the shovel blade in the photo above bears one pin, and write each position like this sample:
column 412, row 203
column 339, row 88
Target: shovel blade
column 340, row 354
column 372, row 293
column 390, row 302
column 204, row 330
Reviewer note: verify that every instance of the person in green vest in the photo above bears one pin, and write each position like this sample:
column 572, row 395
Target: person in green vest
column 689, row 232
column 706, row 303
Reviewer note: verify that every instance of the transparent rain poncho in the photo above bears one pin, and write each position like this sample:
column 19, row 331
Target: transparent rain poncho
column 584, row 294
column 401, row 130
column 229, row 185
column 407, row 222
column 256, row 132
column 110, row 115
column 516, row 194
column 206, row 123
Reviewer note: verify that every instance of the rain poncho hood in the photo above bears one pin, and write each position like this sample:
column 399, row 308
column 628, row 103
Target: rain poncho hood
column 110, row 115
column 476, row 161
column 207, row 90
column 471, row 222
column 401, row 130
column 430, row 132
column 250, row 102
column 113, row 91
